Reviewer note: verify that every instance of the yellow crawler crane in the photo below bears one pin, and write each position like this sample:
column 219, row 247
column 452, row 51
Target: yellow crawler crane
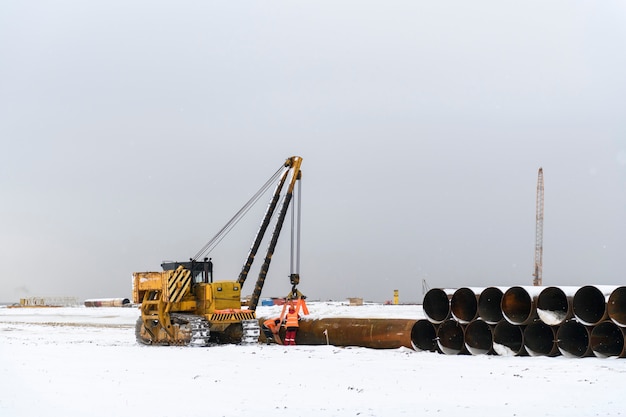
column 182, row 305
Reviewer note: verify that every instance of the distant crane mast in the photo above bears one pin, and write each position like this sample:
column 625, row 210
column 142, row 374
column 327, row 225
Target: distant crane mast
column 538, row 279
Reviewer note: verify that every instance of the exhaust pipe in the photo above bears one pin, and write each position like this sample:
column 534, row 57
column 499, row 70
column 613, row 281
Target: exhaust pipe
column 617, row 306
column 464, row 305
column 519, row 304
column 489, row 305
column 607, row 339
column 436, row 305
column 573, row 339
column 554, row 305
column 590, row 304
column 450, row 337
column 424, row 336
column 508, row 339
column 540, row 339
column 478, row 338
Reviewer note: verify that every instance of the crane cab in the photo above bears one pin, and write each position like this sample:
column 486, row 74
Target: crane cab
column 201, row 271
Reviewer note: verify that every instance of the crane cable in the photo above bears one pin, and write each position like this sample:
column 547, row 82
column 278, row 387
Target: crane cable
column 215, row 240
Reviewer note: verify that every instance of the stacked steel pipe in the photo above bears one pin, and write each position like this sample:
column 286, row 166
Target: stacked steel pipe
column 517, row 321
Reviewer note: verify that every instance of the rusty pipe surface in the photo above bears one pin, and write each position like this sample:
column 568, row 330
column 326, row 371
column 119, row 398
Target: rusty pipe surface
column 573, row 339
column 464, row 305
column 370, row 333
column 450, row 337
column 519, row 304
column 489, row 305
column 590, row 304
column 479, row 337
column 424, row 336
column 540, row 339
column 508, row 339
column 607, row 339
column 554, row 305
column 616, row 306
column 436, row 304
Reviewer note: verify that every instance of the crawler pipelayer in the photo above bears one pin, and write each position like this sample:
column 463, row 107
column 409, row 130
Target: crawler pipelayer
column 183, row 305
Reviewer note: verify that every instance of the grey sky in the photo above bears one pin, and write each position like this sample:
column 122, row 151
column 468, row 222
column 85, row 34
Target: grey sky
column 132, row 131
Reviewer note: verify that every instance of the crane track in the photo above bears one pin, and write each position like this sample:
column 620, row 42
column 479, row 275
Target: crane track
column 195, row 331
column 198, row 325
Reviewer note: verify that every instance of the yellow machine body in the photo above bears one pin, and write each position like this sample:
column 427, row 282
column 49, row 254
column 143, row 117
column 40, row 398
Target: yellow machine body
column 167, row 293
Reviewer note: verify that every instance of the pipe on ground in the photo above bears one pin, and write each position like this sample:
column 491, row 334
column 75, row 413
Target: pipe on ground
column 450, row 337
column 540, row 339
column 107, row 302
column 489, row 305
column 508, row 339
column 607, row 339
column 479, row 338
column 616, row 306
column 424, row 336
column 464, row 305
column 370, row 333
column 436, row 305
column 554, row 305
column 519, row 304
column 573, row 339
column 590, row 304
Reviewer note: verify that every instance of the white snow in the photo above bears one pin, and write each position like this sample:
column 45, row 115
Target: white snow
column 85, row 361
column 552, row 317
column 503, row 350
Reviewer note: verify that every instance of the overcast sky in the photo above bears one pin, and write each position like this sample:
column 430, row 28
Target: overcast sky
column 132, row 131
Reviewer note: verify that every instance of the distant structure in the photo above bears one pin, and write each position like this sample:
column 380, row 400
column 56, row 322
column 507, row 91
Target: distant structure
column 48, row 302
column 538, row 279
column 355, row 301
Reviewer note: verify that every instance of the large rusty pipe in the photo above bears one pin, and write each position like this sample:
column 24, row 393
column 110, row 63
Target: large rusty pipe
column 370, row 333
column 540, row 339
column 436, row 304
column 519, row 304
column 607, row 339
column 554, row 305
column 590, row 304
column 573, row 339
column 450, row 337
column 479, row 337
column 464, row 304
column 489, row 305
column 424, row 336
column 617, row 306
column 508, row 339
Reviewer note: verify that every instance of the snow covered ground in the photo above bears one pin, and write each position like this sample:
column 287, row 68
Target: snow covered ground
column 85, row 361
